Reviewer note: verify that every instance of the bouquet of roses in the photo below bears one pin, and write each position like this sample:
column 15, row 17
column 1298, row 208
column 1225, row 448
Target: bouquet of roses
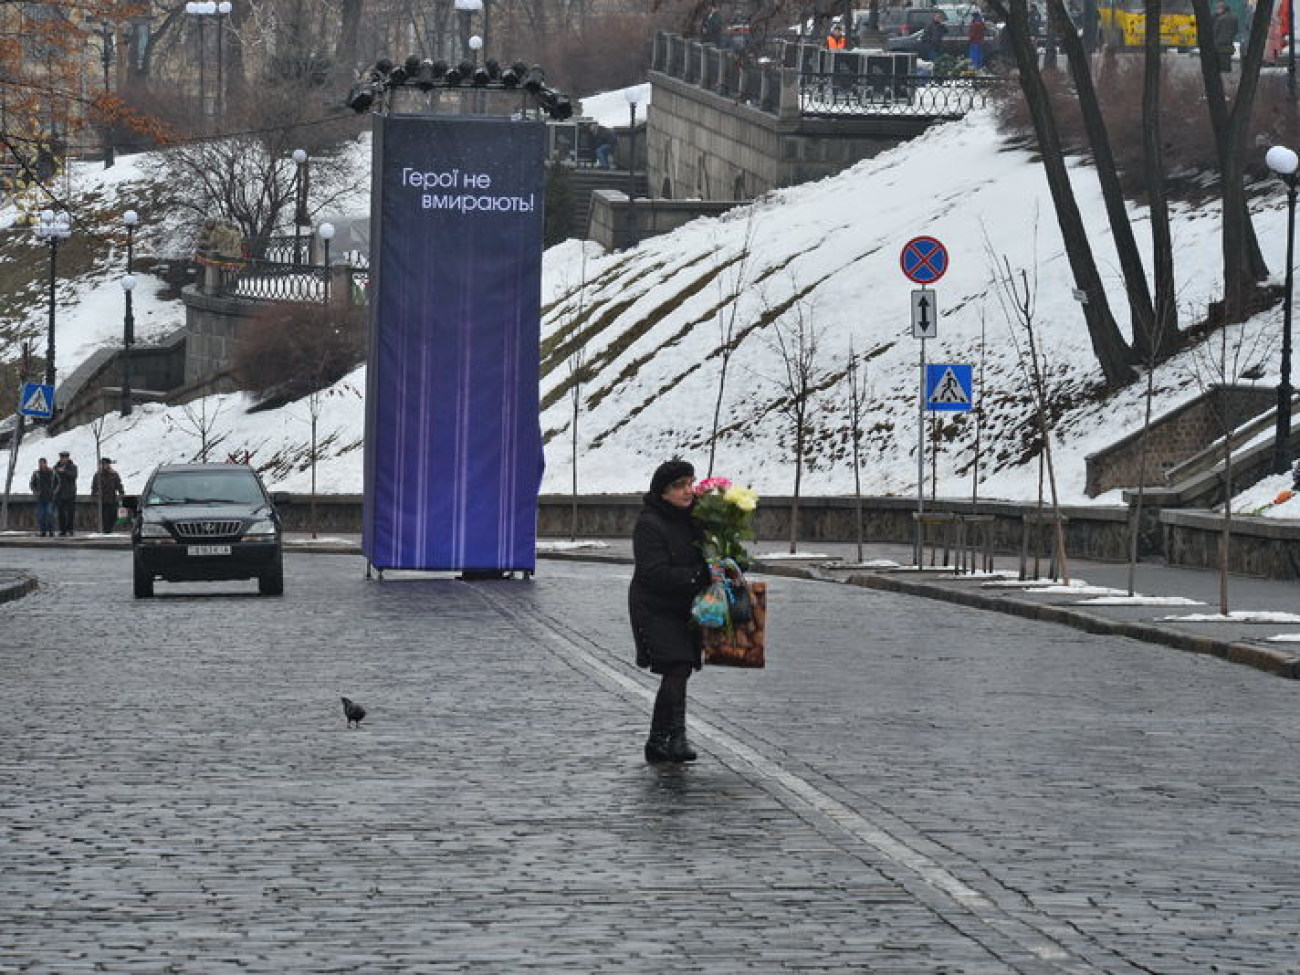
column 726, row 513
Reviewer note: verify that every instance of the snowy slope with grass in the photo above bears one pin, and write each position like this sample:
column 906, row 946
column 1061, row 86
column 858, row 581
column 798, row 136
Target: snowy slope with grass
column 648, row 322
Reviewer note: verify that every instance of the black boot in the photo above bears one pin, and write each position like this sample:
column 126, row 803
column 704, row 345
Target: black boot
column 679, row 749
column 657, row 747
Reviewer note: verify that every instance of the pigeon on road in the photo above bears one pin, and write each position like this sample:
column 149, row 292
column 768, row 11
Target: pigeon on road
column 354, row 712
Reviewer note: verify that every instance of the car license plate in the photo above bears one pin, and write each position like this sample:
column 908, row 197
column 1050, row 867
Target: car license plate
column 208, row 550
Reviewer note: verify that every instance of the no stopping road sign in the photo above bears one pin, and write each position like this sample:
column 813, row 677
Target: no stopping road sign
column 923, row 260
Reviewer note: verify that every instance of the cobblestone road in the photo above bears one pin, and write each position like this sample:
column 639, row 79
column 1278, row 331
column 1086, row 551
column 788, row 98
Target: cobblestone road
column 910, row 787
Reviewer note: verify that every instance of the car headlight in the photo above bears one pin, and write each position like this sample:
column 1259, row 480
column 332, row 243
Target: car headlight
column 153, row 530
column 263, row 527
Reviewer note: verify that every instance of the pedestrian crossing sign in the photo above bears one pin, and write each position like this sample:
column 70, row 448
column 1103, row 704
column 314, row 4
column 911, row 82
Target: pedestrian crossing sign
column 948, row 387
column 36, row 400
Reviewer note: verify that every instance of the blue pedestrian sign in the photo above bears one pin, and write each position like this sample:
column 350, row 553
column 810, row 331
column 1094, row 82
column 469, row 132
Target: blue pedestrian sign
column 36, row 400
column 948, row 387
column 924, row 260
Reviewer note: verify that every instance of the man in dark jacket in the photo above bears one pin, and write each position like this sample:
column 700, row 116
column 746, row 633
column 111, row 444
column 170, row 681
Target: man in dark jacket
column 106, row 486
column 43, row 483
column 1225, row 36
column 65, row 492
column 669, row 572
column 932, row 37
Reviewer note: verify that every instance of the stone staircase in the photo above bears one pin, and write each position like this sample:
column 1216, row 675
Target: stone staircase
column 585, row 180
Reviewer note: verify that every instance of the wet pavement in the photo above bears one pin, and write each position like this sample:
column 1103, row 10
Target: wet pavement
column 912, row 785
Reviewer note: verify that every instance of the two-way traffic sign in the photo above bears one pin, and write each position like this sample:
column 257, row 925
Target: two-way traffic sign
column 925, row 314
column 36, row 400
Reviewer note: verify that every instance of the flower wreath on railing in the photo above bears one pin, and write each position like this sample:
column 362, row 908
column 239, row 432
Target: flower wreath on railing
column 725, row 512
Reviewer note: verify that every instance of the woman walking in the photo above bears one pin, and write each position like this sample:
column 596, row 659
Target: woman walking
column 669, row 572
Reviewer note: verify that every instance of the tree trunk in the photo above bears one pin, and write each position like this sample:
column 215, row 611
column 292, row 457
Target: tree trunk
column 1160, row 342
column 345, row 49
column 1112, row 352
column 1126, row 248
column 1243, row 264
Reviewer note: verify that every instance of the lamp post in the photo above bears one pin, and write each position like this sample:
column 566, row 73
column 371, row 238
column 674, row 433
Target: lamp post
column 129, row 220
column 631, row 95
column 1290, row 41
column 202, row 10
column 300, row 200
column 106, row 53
column 223, row 10
column 52, row 228
column 128, row 337
column 326, row 231
column 1285, row 162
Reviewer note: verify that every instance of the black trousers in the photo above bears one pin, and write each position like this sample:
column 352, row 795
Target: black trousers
column 67, row 508
column 107, row 516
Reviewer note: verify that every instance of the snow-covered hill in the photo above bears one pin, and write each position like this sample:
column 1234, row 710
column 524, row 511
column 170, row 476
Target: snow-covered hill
column 648, row 323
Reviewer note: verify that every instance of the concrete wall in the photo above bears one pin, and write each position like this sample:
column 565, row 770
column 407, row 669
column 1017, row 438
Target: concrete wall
column 723, row 127
column 1174, row 437
column 616, row 222
column 213, row 326
column 1260, row 547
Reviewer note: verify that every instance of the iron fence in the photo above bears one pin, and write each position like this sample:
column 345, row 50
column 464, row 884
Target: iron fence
column 262, row 280
column 834, row 95
column 784, row 77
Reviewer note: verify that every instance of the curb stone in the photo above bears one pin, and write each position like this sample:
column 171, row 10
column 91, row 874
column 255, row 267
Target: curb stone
column 15, row 584
column 1279, row 662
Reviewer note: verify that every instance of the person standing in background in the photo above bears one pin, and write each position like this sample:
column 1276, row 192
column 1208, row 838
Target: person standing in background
column 43, row 484
column 106, row 486
column 65, row 492
column 1225, row 36
column 975, row 40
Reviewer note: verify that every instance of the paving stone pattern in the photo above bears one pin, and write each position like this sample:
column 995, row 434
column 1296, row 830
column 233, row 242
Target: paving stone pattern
column 910, row 787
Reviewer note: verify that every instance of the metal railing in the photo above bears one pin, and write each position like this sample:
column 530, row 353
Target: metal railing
column 791, row 79
column 262, row 280
column 823, row 95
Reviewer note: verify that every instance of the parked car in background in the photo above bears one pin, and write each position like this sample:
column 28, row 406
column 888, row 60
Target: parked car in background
column 206, row 522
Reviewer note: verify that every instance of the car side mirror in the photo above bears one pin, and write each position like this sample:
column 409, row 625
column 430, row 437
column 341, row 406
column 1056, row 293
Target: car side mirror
column 281, row 498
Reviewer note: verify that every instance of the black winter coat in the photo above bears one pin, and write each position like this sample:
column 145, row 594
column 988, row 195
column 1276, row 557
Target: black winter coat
column 670, row 571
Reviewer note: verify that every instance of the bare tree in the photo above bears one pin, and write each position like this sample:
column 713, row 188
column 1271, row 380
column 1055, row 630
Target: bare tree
column 23, row 374
column 796, row 340
column 1243, row 264
column 315, row 405
column 199, row 417
column 1017, row 293
column 1109, row 346
column 730, row 288
column 577, row 375
column 1216, row 370
column 857, row 379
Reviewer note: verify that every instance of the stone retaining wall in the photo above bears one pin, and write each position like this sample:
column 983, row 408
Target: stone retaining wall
column 1268, row 548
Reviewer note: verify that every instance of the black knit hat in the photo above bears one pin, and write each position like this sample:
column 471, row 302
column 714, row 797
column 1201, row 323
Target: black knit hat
column 668, row 472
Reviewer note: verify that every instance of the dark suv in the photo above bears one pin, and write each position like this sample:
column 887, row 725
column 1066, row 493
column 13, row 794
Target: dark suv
column 205, row 522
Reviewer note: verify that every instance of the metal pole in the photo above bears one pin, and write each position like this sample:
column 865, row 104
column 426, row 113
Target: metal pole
column 128, row 338
column 203, row 77
column 631, row 175
column 1282, row 441
column 1290, row 67
column 49, row 335
column 920, row 456
column 107, row 35
column 221, row 79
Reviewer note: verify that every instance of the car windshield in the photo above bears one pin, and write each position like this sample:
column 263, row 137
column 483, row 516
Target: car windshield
column 204, row 487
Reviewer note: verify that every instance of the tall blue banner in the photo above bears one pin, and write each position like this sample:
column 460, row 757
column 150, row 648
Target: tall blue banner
column 453, row 446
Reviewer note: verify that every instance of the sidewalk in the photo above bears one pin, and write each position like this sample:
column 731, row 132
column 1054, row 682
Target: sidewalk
column 1174, row 607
